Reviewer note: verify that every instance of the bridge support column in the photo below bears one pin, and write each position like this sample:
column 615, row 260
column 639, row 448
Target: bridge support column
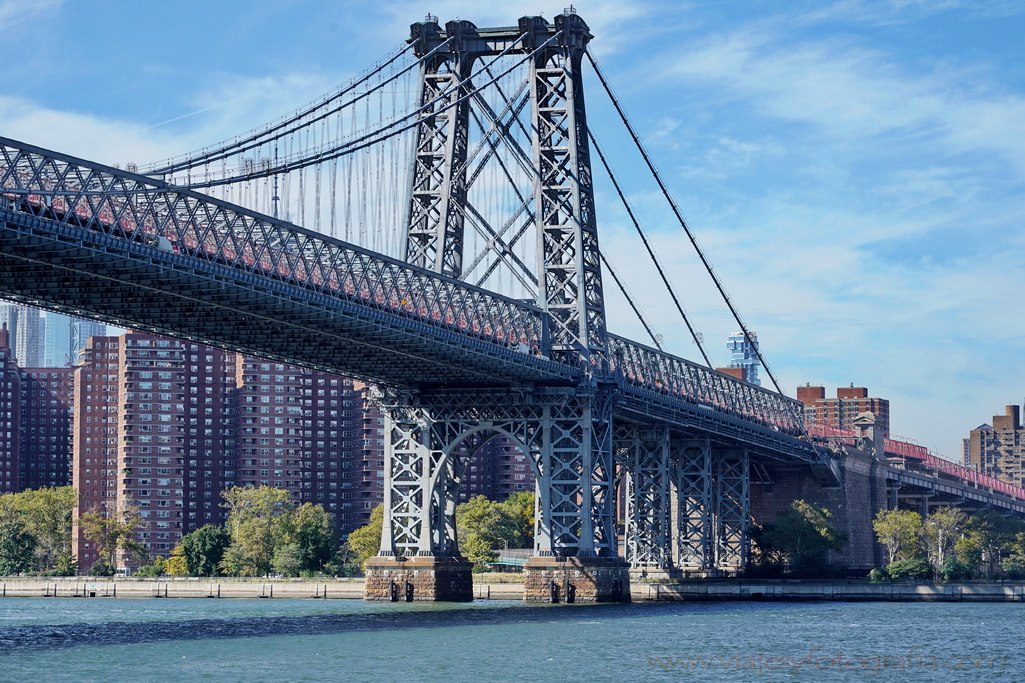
column 644, row 453
column 732, row 505
column 576, row 558
column 692, row 481
column 419, row 558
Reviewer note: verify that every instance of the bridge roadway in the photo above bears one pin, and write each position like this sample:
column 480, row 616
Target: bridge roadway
column 97, row 242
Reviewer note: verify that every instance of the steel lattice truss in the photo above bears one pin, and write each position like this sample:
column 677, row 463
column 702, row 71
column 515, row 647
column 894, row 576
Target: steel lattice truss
column 692, row 482
column 564, row 434
column 435, row 226
column 732, row 503
column 644, row 453
column 188, row 229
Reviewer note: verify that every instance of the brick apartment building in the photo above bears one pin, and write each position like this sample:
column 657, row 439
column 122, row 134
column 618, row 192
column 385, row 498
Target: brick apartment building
column 999, row 449
column 165, row 426
column 10, row 415
column 45, row 427
column 840, row 411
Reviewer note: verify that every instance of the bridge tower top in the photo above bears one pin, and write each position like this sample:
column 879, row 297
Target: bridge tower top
column 567, row 258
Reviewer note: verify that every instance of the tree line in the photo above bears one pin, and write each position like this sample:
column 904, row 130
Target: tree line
column 950, row 545
column 483, row 527
column 265, row 532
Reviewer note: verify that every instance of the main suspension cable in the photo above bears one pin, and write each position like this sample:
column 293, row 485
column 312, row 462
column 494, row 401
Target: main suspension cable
column 651, row 252
column 227, row 148
column 683, row 223
column 374, row 137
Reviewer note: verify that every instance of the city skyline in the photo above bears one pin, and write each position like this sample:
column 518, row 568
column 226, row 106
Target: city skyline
column 847, row 167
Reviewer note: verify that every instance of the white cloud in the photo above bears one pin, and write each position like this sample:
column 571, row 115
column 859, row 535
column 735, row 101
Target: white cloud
column 13, row 12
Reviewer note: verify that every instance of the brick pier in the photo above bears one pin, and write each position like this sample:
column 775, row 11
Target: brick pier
column 575, row 579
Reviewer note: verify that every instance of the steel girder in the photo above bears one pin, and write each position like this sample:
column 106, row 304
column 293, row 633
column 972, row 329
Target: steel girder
column 569, row 267
column 434, row 229
column 644, row 455
column 85, row 195
column 732, row 506
column 692, row 484
column 566, row 435
column 675, row 378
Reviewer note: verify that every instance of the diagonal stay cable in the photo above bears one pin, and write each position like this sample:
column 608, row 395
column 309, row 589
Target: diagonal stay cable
column 679, row 216
column 630, row 300
column 651, row 252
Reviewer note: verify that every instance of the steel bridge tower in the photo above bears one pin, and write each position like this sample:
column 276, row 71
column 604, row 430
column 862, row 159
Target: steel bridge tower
column 566, row 431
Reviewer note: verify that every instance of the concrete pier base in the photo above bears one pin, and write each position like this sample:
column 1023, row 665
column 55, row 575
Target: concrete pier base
column 576, row 579
column 419, row 579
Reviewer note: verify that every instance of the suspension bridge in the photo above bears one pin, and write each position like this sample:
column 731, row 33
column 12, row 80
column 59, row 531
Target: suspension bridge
column 430, row 227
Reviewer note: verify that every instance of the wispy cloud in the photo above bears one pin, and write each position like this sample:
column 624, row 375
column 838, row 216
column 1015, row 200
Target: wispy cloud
column 13, row 12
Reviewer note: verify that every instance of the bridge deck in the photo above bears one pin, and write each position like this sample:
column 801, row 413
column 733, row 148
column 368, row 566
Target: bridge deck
column 98, row 242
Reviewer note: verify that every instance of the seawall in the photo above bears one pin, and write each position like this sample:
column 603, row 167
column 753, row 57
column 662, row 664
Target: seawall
column 694, row 591
column 218, row 587
column 851, row 591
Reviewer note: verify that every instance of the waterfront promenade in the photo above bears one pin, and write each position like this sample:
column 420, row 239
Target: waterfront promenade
column 497, row 588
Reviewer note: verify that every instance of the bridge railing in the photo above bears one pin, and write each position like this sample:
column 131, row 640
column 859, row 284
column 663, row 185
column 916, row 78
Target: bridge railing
column 637, row 365
column 898, row 448
column 172, row 219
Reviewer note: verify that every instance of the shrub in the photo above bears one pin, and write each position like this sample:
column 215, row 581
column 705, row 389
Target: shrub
column 879, row 575
column 955, row 570
column 915, row 568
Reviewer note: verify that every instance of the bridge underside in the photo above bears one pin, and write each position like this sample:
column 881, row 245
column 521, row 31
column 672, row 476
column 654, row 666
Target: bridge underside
column 129, row 284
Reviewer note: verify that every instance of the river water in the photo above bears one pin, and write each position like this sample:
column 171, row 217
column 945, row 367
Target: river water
column 328, row 640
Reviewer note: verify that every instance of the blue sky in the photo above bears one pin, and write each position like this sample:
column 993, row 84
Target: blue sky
column 855, row 170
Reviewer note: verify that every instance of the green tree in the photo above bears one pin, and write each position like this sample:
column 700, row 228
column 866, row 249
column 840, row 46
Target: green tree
column 287, row 560
column 987, row 539
column 520, row 506
column 365, row 542
column 483, row 525
column 254, row 520
column 900, row 533
column 176, row 564
column 158, row 568
column 112, row 534
column 17, row 548
column 800, row 539
column 46, row 515
column 203, row 550
column 311, row 530
column 940, row 531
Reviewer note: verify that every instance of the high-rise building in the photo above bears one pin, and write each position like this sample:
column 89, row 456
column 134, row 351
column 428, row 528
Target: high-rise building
column 29, row 340
column 744, row 355
column 81, row 331
column 9, row 321
column 840, row 412
column 10, row 415
column 164, row 426
column 57, row 344
column 498, row 470
column 999, row 449
column 45, row 427
column 94, row 439
column 363, row 470
column 210, row 451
